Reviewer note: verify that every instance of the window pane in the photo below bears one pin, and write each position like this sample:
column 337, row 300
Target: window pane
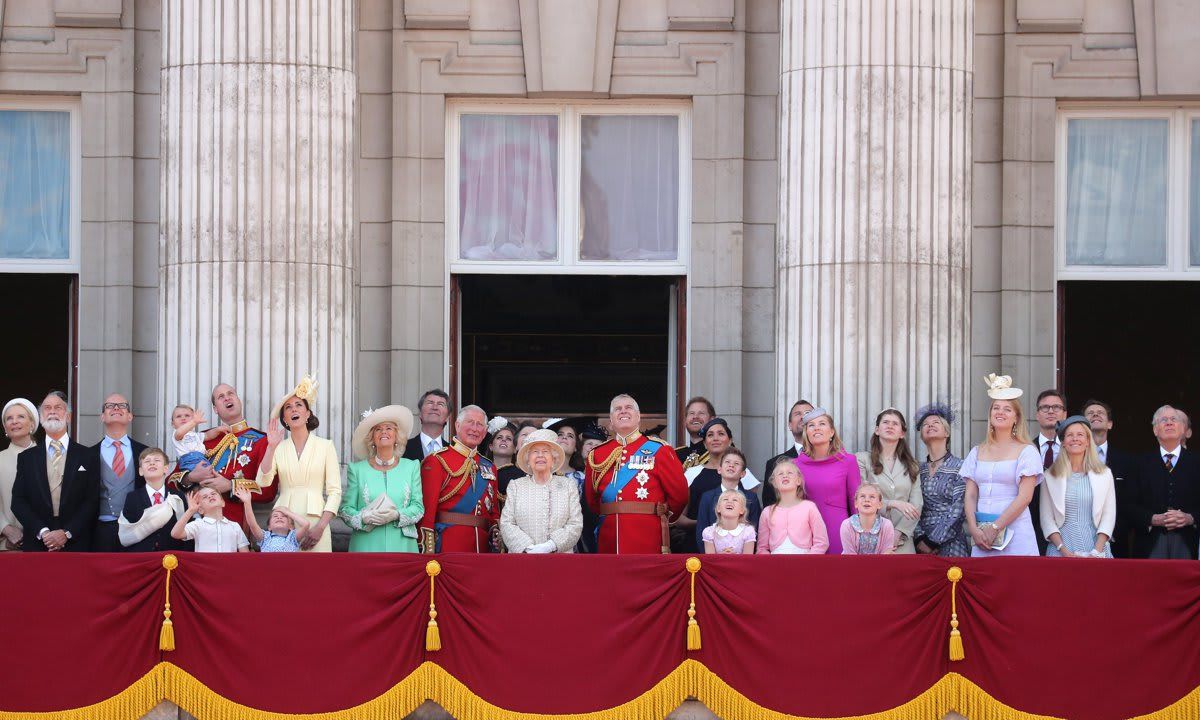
column 1194, row 194
column 1117, row 192
column 629, row 189
column 35, row 184
column 508, row 187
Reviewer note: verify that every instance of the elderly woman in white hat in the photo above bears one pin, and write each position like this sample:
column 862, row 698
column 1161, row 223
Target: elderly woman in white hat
column 310, row 482
column 1001, row 475
column 20, row 419
column 383, row 502
column 542, row 512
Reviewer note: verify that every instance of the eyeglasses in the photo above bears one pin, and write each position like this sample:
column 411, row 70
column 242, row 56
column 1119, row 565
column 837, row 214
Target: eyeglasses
column 1051, row 408
column 116, row 406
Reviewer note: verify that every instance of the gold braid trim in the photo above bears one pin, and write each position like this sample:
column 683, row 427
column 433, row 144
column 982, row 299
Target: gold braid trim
column 466, row 472
column 166, row 681
column 601, row 469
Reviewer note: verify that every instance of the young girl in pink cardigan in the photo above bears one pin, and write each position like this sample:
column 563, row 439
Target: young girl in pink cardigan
column 867, row 532
column 793, row 525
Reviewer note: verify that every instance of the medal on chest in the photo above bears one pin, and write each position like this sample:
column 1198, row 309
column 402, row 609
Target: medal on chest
column 246, row 447
column 641, row 462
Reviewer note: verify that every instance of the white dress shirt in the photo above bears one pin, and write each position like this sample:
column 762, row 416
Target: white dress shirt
column 426, row 440
column 1042, row 440
column 216, row 535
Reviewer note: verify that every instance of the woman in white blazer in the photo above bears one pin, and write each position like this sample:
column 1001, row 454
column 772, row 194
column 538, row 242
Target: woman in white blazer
column 1078, row 497
column 310, row 482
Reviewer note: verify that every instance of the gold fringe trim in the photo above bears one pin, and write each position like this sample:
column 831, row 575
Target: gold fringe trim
column 953, row 693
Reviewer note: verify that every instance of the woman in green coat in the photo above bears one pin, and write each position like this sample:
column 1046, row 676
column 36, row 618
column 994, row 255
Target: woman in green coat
column 382, row 502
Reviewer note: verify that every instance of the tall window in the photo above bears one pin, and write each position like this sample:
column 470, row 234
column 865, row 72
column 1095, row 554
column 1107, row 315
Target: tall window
column 1129, row 193
column 563, row 188
column 39, row 210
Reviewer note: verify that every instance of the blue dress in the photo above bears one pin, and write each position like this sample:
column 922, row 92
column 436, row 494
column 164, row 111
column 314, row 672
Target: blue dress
column 998, row 484
column 942, row 516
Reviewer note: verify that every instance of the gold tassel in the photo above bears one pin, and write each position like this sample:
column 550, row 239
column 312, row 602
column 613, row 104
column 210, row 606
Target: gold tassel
column 433, row 638
column 693, row 627
column 166, row 636
column 954, row 574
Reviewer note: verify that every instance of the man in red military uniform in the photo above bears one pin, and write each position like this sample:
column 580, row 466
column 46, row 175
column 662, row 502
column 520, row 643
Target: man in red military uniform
column 459, row 487
column 232, row 457
column 635, row 484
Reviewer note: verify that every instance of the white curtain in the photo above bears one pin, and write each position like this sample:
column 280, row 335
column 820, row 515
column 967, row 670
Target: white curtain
column 629, row 187
column 1117, row 192
column 1194, row 194
column 508, row 187
column 35, row 184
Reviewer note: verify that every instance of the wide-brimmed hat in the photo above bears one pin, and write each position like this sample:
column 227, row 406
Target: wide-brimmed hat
column 360, row 441
column 306, row 390
column 33, row 413
column 541, row 437
column 1000, row 387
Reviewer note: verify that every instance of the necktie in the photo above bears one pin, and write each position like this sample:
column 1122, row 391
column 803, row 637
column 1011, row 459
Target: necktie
column 56, row 475
column 157, row 498
column 1169, row 462
column 118, row 463
column 1103, row 452
column 432, row 448
column 1049, row 459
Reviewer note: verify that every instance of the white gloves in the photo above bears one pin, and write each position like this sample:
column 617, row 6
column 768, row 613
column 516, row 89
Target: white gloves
column 541, row 548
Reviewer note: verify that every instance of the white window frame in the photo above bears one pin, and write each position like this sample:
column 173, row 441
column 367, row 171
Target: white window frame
column 1178, row 117
column 569, row 169
column 70, row 264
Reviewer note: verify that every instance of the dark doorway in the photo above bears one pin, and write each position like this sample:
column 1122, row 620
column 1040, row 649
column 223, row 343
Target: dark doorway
column 1132, row 345
column 39, row 347
column 559, row 345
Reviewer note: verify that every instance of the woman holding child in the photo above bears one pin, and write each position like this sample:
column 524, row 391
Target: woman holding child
column 383, row 500
column 310, row 483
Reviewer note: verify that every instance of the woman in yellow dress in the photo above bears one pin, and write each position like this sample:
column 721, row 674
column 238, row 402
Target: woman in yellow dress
column 310, row 482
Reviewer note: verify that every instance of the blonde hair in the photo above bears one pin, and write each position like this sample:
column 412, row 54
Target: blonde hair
column 801, row 489
column 869, row 487
column 733, row 494
column 181, row 406
column 835, row 442
column 1061, row 468
column 1020, row 432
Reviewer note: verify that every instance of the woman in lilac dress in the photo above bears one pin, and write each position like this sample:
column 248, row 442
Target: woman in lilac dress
column 830, row 473
column 1001, row 475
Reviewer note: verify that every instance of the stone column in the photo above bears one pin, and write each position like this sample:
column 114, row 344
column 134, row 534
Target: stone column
column 873, row 299
column 257, row 204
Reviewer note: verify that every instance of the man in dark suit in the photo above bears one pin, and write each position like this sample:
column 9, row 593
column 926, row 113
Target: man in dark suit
column 151, row 509
column 1099, row 416
column 56, row 490
column 433, row 411
column 796, row 428
column 1050, row 409
column 117, row 457
column 1163, row 499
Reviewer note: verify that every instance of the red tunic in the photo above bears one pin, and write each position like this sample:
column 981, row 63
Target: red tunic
column 458, row 480
column 235, row 456
column 634, row 533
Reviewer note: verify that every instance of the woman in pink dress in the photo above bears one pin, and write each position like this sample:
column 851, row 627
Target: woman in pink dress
column 830, row 473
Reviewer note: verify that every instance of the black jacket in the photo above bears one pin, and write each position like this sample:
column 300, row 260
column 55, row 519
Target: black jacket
column 79, row 499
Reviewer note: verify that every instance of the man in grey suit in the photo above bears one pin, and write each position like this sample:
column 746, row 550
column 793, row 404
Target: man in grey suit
column 117, row 458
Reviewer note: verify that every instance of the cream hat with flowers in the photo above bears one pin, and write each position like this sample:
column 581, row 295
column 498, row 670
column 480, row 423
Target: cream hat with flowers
column 1000, row 387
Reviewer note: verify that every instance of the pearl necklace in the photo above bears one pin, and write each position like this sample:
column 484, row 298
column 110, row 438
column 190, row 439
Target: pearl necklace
column 385, row 463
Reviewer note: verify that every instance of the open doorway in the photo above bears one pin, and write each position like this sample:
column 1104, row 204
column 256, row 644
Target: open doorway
column 39, row 347
column 558, row 345
column 1132, row 345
